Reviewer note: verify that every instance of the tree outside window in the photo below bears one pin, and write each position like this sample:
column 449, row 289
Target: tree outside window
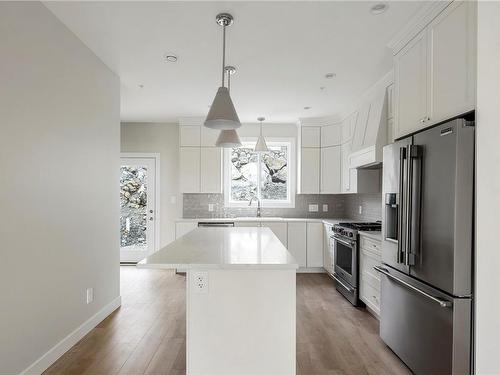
column 262, row 175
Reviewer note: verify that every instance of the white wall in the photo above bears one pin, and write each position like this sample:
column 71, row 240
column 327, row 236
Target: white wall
column 488, row 190
column 59, row 148
column 163, row 139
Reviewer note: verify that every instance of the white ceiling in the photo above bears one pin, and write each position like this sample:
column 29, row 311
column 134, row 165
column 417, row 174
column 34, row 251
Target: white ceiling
column 282, row 51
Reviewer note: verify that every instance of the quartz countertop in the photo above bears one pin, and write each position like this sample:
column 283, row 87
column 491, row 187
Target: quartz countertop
column 376, row 235
column 223, row 248
column 264, row 219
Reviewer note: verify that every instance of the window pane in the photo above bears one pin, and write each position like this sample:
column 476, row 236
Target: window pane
column 244, row 169
column 274, row 173
column 133, row 202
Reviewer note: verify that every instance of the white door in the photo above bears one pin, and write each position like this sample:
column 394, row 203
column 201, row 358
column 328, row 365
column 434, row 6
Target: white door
column 137, row 208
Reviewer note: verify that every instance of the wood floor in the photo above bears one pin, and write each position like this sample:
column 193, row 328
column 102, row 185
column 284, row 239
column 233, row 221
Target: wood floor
column 147, row 334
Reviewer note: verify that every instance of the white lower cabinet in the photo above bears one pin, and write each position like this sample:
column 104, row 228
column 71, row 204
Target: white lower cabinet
column 297, row 242
column 279, row 229
column 328, row 256
column 314, row 245
column 247, row 224
column 370, row 256
column 183, row 227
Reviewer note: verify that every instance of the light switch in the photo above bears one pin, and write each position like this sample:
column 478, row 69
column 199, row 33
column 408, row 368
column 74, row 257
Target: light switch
column 313, row 208
column 210, row 207
column 325, row 208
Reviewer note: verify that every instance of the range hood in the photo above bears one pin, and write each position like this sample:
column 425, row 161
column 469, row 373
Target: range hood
column 370, row 133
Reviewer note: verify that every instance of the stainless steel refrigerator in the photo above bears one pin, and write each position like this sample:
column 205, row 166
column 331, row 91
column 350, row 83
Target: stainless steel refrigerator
column 427, row 248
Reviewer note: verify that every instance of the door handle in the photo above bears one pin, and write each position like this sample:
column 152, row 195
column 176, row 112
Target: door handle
column 337, row 279
column 402, row 157
column 441, row 302
column 342, row 241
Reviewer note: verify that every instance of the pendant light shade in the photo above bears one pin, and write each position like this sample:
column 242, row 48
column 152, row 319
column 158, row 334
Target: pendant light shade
column 222, row 114
column 228, row 139
column 261, row 145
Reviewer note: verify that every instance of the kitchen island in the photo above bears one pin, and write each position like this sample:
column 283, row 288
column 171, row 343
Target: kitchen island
column 240, row 300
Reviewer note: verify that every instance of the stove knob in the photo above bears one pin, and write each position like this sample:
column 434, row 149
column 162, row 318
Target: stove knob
column 350, row 234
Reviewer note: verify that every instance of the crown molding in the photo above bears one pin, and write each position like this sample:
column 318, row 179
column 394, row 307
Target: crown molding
column 423, row 17
column 319, row 121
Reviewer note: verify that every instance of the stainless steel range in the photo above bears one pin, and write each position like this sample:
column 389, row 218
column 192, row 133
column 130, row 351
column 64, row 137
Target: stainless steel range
column 346, row 257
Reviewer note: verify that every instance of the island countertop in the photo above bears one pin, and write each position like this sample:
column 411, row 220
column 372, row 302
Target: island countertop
column 223, row 248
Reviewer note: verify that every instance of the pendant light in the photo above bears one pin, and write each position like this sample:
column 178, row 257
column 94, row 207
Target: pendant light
column 228, row 138
column 261, row 145
column 222, row 114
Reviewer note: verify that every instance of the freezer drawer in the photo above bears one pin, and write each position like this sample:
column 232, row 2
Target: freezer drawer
column 427, row 329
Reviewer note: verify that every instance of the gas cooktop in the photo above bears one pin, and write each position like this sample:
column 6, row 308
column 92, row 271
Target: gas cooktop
column 369, row 226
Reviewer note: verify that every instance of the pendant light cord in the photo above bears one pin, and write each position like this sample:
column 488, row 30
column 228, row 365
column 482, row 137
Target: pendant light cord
column 223, row 53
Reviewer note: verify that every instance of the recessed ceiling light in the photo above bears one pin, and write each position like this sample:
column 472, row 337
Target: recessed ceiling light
column 306, row 108
column 322, row 87
column 170, row 57
column 379, row 8
column 141, row 86
column 330, row 75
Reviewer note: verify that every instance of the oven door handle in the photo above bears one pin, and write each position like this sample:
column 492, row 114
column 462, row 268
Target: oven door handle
column 342, row 241
column 441, row 302
column 337, row 279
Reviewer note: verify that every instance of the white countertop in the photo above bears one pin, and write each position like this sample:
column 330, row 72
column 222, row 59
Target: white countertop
column 376, row 235
column 223, row 248
column 265, row 219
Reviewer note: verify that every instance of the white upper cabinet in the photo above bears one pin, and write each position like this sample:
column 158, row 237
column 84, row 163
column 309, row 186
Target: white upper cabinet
column 210, row 170
column 331, row 172
column 410, row 73
column 451, row 38
column 189, row 136
column 208, row 136
column 311, row 136
column 390, row 101
column 331, row 135
column 189, row 169
column 348, row 174
column 310, row 170
column 435, row 73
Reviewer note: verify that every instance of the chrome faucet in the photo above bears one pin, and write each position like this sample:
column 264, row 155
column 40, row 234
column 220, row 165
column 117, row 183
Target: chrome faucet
column 258, row 204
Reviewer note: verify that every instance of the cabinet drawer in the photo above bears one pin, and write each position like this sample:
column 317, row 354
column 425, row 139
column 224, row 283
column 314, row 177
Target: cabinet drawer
column 372, row 246
column 370, row 296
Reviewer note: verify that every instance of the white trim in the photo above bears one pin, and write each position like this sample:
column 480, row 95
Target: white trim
column 46, row 360
column 291, row 175
column 423, row 17
column 156, row 156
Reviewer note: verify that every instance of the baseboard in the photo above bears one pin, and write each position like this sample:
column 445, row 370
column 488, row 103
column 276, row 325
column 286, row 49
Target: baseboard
column 46, row 360
column 311, row 270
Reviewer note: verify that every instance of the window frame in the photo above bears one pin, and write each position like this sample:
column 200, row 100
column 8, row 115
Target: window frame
column 291, row 158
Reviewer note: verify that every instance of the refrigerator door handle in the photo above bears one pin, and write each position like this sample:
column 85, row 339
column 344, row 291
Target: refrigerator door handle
column 441, row 302
column 408, row 215
column 401, row 207
column 415, row 158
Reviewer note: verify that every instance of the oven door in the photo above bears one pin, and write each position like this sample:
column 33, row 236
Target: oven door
column 346, row 260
